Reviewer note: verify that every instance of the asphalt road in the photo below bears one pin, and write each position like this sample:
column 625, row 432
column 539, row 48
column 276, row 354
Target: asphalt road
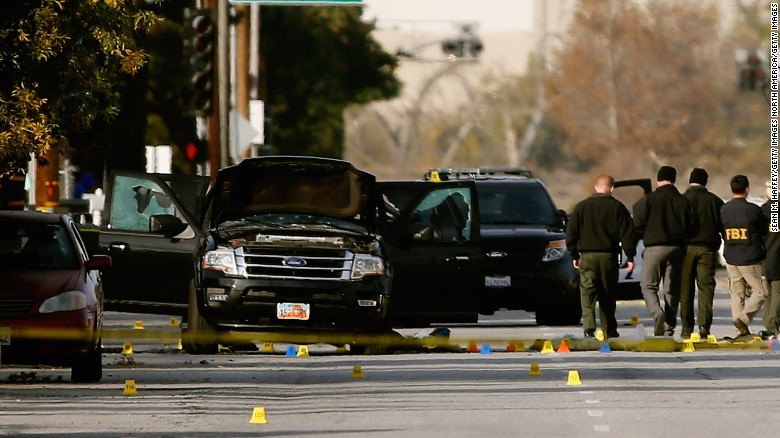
column 157, row 391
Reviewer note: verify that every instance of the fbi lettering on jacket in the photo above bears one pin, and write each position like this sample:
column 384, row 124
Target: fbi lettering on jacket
column 737, row 235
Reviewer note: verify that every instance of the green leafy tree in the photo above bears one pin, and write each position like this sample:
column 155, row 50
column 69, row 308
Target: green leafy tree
column 319, row 60
column 61, row 66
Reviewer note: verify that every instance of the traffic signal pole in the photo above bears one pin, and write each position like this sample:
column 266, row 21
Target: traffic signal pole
column 223, row 84
column 242, row 60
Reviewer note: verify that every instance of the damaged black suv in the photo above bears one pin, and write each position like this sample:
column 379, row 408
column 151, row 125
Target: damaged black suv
column 294, row 246
column 524, row 264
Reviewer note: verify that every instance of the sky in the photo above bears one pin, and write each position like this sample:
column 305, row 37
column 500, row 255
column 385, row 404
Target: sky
column 492, row 15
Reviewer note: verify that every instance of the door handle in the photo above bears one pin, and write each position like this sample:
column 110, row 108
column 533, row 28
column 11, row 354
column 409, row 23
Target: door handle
column 118, row 246
column 458, row 259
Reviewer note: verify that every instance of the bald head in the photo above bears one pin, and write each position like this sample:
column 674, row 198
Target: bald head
column 604, row 184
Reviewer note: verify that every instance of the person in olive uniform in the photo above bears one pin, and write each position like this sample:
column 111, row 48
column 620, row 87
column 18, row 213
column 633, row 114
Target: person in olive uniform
column 772, row 270
column 701, row 255
column 665, row 220
column 745, row 226
column 596, row 228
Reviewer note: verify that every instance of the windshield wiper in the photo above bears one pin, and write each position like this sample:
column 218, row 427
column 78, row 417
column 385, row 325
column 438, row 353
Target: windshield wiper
column 331, row 225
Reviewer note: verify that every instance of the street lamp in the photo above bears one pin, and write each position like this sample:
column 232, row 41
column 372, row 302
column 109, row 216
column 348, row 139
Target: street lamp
column 466, row 46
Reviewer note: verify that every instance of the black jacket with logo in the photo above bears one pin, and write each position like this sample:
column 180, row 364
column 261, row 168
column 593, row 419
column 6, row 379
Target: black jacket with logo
column 772, row 245
column 600, row 223
column 706, row 209
column 664, row 217
column 744, row 227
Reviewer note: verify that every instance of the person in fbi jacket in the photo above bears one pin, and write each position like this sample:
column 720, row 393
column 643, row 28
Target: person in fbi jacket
column 744, row 226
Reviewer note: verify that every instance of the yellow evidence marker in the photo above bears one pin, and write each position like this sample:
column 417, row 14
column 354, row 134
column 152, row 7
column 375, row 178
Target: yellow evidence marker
column 258, row 416
column 130, row 388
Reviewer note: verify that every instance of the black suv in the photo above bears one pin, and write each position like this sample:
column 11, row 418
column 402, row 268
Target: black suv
column 525, row 264
column 293, row 245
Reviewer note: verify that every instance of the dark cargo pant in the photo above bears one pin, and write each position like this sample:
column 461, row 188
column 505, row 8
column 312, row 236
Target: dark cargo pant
column 598, row 282
column 699, row 267
column 772, row 308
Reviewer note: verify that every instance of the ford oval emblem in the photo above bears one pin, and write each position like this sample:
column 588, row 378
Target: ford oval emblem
column 497, row 254
column 294, row 261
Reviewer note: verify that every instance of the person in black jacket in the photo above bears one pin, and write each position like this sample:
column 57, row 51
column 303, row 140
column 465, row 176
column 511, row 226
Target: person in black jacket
column 596, row 228
column 665, row 220
column 701, row 255
column 772, row 269
column 744, row 229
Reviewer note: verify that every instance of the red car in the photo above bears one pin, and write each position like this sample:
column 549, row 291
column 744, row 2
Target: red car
column 51, row 295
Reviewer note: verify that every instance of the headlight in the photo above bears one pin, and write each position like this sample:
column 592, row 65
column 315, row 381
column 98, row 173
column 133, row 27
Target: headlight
column 223, row 260
column 367, row 265
column 70, row 300
column 554, row 251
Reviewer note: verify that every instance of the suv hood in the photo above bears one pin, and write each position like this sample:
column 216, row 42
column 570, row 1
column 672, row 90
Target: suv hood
column 294, row 185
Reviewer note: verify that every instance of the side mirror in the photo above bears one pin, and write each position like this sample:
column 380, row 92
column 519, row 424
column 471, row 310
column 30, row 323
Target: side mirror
column 99, row 262
column 424, row 234
column 561, row 218
column 166, row 224
column 142, row 197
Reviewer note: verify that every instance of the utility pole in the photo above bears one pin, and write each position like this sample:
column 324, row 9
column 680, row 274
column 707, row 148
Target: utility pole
column 242, row 60
column 223, row 82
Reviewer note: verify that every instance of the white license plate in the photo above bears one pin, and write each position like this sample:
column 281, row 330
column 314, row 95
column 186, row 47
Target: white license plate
column 495, row 281
column 5, row 335
column 293, row 311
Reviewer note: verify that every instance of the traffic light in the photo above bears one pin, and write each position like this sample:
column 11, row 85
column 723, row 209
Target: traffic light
column 752, row 72
column 196, row 150
column 465, row 45
column 452, row 46
column 202, row 60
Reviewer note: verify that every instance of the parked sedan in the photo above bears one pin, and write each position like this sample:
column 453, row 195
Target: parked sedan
column 51, row 297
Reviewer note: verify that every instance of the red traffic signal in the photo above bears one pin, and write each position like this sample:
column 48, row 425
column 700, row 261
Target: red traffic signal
column 191, row 151
column 195, row 150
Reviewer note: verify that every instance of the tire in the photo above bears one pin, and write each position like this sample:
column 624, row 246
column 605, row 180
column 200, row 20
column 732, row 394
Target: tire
column 558, row 317
column 89, row 367
column 565, row 309
column 199, row 337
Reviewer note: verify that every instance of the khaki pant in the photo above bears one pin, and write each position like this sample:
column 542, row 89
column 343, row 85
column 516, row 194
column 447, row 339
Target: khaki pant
column 743, row 306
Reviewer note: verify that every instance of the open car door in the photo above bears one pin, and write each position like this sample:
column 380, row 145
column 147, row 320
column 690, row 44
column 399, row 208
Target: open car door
column 431, row 231
column 151, row 228
column 628, row 192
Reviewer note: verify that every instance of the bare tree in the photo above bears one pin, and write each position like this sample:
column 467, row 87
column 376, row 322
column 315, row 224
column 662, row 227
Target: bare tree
column 395, row 130
column 643, row 76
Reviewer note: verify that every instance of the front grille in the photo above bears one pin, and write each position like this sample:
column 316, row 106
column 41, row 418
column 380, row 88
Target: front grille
column 15, row 306
column 314, row 296
column 297, row 263
column 519, row 256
